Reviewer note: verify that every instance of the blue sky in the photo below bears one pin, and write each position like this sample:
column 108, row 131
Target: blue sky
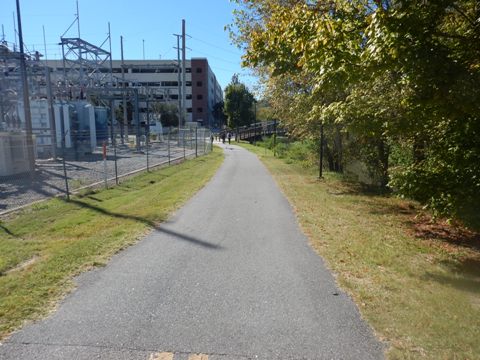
column 137, row 20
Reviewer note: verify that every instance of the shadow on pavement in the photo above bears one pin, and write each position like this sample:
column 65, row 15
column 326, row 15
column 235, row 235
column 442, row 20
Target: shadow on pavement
column 150, row 223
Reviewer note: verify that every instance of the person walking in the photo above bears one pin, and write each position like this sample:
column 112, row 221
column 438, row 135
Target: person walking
column 229, row 137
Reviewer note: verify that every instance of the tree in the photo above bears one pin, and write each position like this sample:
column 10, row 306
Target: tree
column 264, row 111
column 218, row 115
column 168, row 113
column 238, row 104
column 401, row 78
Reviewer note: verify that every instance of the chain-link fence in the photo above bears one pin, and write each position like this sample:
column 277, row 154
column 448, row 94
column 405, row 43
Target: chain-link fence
column 78, row 161
column 63, row 134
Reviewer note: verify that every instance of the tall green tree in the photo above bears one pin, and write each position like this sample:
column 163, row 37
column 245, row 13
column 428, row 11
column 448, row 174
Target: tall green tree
column 168, row 113
column 401, row 78
column 238, row 106
column 218, row 115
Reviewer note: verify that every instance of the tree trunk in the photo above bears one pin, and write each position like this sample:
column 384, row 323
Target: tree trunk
column 383, row 155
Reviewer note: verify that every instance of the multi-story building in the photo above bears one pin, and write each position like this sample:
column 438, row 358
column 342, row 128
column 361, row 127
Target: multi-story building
column 162, row 79
column 206, row 92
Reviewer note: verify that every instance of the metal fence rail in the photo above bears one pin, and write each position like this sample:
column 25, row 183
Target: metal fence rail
column 76, row 167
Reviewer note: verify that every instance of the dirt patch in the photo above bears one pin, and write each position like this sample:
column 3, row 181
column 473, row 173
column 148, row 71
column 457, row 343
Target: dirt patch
column 451, row 235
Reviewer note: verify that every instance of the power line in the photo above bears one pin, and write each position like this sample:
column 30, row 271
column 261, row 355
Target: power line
column 229, row 70
column 216, row 57
column 216, row 46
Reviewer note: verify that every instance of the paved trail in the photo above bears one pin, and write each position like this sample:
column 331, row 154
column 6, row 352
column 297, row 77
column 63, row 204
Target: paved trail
column 229, row 277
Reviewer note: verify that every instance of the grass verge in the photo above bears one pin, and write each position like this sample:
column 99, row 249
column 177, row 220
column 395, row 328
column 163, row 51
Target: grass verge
column 415, row 281
column 45, row 245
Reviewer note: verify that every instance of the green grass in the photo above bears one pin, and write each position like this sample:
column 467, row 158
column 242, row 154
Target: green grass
column 416, row 283
column 45, row 245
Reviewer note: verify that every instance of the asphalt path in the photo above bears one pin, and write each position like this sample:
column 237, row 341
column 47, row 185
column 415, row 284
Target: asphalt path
column 229, row 277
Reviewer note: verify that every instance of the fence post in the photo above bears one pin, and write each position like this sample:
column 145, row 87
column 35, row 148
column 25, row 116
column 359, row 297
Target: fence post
column 320, row 171
column 114, row 138
column 146, row 145
column 104, row 152
column 274, row 137
column 115, row 159
column 183, row 141
column 204, row 142
column 196, row 142
column 168, row 144
column 63, row 156
column 62, row 140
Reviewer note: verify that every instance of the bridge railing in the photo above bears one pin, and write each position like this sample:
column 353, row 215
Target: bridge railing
column 257, row 130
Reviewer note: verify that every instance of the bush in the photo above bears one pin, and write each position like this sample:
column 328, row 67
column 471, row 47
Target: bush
column 304, row 152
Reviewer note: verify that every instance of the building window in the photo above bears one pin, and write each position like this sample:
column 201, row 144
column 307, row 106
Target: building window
column 166, row 70
column 151, row 70
column 199, row 97
column 199, row 83
column 169, row 83
column 199, row 109
column 189, row 96
column 188, row 70
column 188, row 83
column 189, row 110
column 199, row 70
column 173, row 97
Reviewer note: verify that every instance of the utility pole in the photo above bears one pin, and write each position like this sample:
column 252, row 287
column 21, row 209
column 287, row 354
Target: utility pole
column 80, row 54
column 143, row 46
column 137, row 120
column 65, row 84
column 51, row 113
column 125, row 120
column 112, row 103
column 179, row 83
column 184, row 112
column 110, row 49
column 78, row 21
column 26, row 98
column 1, row 102
column 14, row 33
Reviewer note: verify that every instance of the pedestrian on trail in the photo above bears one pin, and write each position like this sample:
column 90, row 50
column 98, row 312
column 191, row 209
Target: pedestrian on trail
column 229, row 137
column 223, row 137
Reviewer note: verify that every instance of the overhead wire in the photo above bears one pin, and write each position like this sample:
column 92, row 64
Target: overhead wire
column 215, row 46
column 217, row 58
